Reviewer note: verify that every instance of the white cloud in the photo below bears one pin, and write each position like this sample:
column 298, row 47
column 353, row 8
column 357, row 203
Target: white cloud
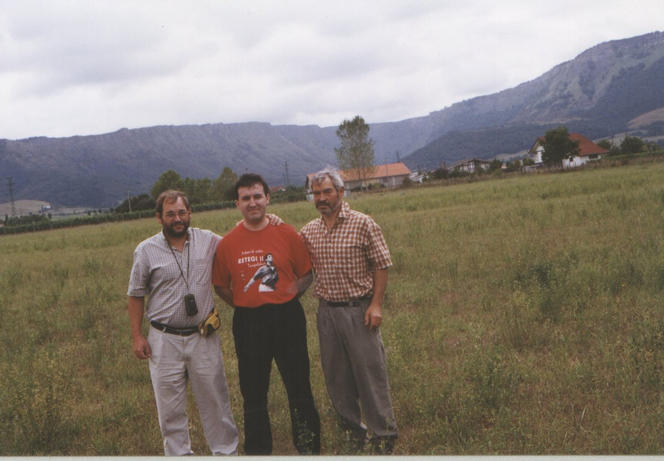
column 81, row 67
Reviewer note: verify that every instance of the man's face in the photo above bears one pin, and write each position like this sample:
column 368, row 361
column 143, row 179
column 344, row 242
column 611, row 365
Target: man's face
column 252, row 203
column 175, row 218
column 326, row 198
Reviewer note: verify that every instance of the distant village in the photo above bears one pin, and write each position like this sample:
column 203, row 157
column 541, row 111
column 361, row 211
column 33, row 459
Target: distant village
column 386, row 176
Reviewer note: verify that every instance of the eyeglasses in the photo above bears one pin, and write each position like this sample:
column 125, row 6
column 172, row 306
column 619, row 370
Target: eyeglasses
column 180, row 214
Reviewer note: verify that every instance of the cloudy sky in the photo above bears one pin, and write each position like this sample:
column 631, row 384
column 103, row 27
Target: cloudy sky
column 76, row 67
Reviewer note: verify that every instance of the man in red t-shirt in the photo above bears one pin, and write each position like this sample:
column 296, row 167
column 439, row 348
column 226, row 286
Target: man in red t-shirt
column 269, row 321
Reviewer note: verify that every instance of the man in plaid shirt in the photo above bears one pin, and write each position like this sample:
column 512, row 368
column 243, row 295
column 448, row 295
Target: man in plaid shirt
column 350, row 260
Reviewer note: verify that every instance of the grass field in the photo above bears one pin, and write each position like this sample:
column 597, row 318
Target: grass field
column 523, row 316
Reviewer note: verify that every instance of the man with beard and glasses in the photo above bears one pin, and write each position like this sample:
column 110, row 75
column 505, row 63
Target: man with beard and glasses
column 173, row 269
column 350, row 260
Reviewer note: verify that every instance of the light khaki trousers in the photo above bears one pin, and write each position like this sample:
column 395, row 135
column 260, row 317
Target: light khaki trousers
column 175, row 360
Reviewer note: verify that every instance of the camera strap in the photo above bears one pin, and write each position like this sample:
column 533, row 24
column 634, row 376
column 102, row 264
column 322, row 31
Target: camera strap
column 188, row 247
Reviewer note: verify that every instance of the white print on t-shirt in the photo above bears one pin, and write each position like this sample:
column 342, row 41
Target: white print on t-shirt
column 267, row 273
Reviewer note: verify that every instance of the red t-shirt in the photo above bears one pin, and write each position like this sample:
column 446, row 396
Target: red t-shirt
column 261, row 267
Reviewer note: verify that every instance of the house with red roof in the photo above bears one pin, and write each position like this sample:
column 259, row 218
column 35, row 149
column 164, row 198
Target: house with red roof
column 389, row 175
column 588, row 151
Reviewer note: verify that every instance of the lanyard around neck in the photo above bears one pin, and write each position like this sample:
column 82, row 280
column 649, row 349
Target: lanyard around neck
column 186, row 282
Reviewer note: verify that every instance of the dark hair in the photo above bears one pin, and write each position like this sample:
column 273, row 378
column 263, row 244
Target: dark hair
column 248, row 180
column 170, row 196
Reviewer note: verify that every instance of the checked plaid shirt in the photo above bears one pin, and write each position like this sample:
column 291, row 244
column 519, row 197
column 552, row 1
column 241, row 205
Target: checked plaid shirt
column 345, row 257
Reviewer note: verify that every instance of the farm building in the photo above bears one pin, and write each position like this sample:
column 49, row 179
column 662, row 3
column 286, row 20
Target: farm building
column 472, row 165
column 389, row 175
column 588, row 151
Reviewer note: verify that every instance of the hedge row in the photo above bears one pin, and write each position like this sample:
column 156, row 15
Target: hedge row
column 99, row 218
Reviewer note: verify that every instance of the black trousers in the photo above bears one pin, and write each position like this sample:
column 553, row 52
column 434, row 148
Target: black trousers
column 275, row 331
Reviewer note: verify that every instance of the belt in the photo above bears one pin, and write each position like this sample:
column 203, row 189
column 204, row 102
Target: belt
column 186, row 331
column 352, row 303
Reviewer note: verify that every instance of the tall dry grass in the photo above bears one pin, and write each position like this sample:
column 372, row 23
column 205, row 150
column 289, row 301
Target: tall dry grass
column 523, row 316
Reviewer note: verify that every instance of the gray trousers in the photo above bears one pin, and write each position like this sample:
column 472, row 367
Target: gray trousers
column 353, row 360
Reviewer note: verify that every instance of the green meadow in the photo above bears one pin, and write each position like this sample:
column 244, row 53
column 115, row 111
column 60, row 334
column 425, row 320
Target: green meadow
column 524, row 315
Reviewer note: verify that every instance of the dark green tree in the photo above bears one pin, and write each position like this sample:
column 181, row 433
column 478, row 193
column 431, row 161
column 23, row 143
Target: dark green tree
column 222, row 188
column 632, row 145
column 605, row 143
column 495, row 164
column 356, row 150
column 168, row 180
column 558, row 146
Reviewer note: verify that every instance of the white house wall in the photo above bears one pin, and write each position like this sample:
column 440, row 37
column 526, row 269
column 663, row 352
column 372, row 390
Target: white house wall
column 575, row 162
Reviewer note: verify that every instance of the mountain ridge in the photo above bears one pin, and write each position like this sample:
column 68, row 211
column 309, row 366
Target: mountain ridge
column 599, row 93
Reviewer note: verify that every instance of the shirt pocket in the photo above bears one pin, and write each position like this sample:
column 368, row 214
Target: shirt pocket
column 201, row 272
column 349, row 253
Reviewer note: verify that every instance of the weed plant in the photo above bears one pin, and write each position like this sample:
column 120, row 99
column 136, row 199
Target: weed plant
column 523, row 316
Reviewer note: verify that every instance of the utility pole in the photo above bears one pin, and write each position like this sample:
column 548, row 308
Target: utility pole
column 287, row 179
column 129, row 201
column 10, row 183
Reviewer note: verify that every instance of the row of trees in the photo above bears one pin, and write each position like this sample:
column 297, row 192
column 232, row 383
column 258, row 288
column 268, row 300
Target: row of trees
column 199, row 191
column 629, row 145
column 202, row 192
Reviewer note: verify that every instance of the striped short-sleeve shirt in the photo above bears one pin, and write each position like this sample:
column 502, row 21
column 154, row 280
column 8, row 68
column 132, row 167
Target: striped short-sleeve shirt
column 156, row 274
column 345, row 257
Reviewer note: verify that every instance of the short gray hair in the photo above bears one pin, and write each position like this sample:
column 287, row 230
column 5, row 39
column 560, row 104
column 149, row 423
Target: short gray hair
column 328, row 172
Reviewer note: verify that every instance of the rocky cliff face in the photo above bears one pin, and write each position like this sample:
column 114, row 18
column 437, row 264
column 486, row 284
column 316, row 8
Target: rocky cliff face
column 599, row 93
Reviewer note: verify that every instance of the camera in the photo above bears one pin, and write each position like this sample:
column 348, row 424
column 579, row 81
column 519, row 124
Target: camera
column 190, row 304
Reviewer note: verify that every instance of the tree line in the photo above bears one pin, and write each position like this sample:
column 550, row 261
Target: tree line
column 355, row 152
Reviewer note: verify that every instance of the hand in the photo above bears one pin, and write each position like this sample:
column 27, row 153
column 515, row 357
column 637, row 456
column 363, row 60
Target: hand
column 142, row 348
column 373, row 317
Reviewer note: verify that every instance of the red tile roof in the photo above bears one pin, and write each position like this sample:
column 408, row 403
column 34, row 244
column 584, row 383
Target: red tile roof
column 586, row 146
column 380, row 171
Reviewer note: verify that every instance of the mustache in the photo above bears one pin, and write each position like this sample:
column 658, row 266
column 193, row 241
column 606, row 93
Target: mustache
column 322, row 202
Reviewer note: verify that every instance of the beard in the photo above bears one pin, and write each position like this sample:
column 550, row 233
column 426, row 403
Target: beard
column 170, row 230
column 329, row 208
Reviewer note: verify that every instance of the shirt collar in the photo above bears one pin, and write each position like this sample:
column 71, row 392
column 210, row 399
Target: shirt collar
column 345, row 211
column 186, row 242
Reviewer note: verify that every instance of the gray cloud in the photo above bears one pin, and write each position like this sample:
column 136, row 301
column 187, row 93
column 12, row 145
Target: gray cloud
column 79, row 67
